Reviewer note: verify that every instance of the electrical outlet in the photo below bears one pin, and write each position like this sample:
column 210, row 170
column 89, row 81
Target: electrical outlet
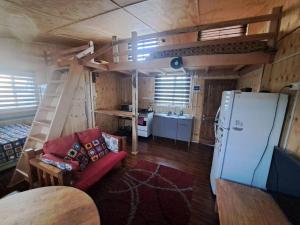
column 295, row 86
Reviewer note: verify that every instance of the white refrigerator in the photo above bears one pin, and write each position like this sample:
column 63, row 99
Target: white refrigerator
column 248, row 126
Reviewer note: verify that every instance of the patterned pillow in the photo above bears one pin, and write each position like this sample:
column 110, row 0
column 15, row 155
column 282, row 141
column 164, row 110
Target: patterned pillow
column 96, row 149
column 93, row 142
column 113, row 143
column 78, row 153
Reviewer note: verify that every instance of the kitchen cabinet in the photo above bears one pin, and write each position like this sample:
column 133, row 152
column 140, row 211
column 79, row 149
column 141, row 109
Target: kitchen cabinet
column 173, row 127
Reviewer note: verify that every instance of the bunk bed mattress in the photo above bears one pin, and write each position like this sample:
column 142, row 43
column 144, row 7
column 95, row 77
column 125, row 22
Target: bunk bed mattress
column 12, row 139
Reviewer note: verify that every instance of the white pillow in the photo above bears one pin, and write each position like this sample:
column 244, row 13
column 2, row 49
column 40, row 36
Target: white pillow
column 111, row 142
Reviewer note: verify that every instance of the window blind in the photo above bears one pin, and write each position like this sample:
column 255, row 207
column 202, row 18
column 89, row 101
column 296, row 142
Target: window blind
column 173, row 88
column 224, row 32
column 18, row 92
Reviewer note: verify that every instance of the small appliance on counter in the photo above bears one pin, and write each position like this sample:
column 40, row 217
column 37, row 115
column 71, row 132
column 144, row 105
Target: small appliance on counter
column 126, row 107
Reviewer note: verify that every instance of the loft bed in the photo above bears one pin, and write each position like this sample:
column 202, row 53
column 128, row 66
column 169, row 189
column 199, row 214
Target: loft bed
column 248, row 48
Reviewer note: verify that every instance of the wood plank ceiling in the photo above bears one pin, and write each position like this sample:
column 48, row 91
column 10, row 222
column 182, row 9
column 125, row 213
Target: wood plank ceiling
column 75, row 21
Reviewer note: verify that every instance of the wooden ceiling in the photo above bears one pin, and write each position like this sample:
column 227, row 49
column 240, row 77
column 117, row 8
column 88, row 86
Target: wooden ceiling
column 76, row 21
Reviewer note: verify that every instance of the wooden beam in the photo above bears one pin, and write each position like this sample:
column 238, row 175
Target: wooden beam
column 115, row 49
column 248, row 20
column 207, row 69
column 97, row 66
column 114, row 113
column 275, row 26
column 97, row 53
column 239, row 67
column 196, row 61
column 252, row 37
column 134, row 81
column 71, row 50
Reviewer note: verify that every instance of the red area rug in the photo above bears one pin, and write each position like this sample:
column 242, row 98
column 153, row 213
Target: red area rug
column 147, row 194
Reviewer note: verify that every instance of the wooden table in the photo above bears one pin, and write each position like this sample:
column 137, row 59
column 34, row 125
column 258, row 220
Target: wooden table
column 242, row 205
column 56, row 205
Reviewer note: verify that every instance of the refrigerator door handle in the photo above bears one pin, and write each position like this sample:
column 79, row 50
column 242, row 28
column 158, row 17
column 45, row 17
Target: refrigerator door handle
column 216, row 121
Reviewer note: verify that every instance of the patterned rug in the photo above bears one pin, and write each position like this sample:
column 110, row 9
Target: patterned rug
column 147, row 194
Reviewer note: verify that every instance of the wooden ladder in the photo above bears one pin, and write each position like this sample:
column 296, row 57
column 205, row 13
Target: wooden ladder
column 51, row 115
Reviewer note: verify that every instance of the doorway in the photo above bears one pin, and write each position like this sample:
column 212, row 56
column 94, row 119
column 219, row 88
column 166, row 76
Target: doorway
column 212, row 99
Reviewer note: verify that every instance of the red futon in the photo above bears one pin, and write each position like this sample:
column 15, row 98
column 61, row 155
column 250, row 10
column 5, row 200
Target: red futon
column 84, row 157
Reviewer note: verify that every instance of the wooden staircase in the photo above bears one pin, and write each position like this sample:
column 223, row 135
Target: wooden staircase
column 50, row 116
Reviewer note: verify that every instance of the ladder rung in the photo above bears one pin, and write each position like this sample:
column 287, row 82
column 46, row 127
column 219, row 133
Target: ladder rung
column 38, row 137
column 51, row 95
column 47, row 108
column 56, row 81
column 23, row 173
column 46, row 123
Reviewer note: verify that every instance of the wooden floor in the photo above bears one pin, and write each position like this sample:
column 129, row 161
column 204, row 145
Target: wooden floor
column 196, row 161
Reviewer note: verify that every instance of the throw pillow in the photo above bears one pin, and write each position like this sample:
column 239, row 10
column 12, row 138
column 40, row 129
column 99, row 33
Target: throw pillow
column 78, row 153
column 113, row 143
column 93, row 142
column 60, row 146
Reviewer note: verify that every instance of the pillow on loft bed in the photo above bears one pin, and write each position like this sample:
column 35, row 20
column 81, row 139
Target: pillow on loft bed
column 94, row 143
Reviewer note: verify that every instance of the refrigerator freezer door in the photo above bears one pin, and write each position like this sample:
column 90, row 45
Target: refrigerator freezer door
column 251, row 123
column 225, row 108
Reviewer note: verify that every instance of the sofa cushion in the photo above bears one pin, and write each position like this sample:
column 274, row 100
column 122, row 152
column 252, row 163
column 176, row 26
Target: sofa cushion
column 78, row 153
column 113, row 142
column 69, row 165
column 60, row 146
column 93, row 143
column 98, row 169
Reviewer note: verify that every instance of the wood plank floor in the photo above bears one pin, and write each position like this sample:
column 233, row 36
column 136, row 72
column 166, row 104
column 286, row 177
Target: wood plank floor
column 196, row 161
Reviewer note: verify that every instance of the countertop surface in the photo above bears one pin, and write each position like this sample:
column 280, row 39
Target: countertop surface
column 184, row 116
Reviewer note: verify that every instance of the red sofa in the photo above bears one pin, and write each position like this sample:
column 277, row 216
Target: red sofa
column 96, row 170
column 83, row 179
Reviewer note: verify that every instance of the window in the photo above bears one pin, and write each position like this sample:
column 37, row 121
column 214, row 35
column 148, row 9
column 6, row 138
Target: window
column 173, row 88
column 224, row 32
column 145, row 47
column 18, row 92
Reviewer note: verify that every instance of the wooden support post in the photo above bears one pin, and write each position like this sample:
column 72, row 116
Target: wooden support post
column 115, row 48
column 274, row 26
column 134, row 96
column 134, row 111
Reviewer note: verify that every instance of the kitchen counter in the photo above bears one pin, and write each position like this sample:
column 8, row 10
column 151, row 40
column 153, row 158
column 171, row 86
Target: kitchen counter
column 184, row 116
column 174, row 126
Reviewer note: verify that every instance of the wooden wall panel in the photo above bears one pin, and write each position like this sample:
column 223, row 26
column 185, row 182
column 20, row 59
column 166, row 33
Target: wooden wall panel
column 286, row 66
column 283, row 71
column 126, row 95
column 108, row 90
column 251, row 80
column 146, row 92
